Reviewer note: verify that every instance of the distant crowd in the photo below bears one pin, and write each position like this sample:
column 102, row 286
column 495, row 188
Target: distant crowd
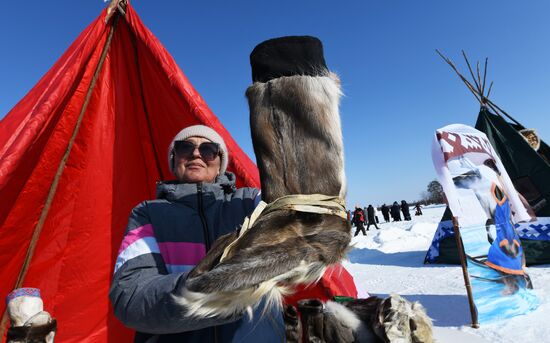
column 369, row 215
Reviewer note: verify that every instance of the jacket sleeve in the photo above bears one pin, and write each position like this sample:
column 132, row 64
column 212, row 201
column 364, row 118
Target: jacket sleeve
column 144, row 295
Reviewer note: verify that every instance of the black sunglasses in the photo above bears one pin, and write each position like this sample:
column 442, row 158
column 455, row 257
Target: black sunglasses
column 185, row 149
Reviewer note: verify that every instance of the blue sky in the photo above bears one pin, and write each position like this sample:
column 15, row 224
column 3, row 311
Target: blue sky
column 397, row 90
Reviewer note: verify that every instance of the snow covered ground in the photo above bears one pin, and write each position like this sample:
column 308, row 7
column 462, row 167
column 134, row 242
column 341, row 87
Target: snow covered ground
column 391, row 260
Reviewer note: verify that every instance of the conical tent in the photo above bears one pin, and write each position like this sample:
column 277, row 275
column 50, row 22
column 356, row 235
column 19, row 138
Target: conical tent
column 529, row 170
column 140, row 100
column 530, row 173
column 443, row 248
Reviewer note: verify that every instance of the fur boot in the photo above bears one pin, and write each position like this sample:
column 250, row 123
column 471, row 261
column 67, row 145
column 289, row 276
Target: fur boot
column 312, row 314
column 293, row 325
column 393, row 319
column 297, row 138
column 371, row 320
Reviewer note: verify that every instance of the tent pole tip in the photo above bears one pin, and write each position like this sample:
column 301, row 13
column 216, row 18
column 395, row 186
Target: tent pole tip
column 114, row 6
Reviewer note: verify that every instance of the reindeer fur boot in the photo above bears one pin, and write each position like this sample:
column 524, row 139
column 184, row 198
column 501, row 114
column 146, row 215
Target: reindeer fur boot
column 312, row 319
column 28, row 322
column 293, row 325
column 297, row 139
column 402, row 321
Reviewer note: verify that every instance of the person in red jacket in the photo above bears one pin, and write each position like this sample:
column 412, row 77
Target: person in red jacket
column 359, row 221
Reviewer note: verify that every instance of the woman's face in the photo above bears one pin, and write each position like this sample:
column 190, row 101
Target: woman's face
column 195, row 168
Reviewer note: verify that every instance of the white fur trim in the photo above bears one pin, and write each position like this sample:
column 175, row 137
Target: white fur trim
column 226, row 304
column 360, row 330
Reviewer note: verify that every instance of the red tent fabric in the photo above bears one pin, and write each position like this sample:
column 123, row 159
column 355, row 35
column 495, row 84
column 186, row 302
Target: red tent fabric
column 140, row 101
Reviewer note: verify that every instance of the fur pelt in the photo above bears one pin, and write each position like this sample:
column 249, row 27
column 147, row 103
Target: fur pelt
column 371, row 320
column 398, row 320
column 298, row 144
column 32, row 333
column 297, row 135
column 293, row 325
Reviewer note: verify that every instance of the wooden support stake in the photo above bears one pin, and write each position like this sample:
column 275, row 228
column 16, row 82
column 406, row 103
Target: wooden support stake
column 473, row 311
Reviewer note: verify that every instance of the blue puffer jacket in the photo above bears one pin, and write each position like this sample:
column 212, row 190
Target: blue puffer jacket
column 164, row 240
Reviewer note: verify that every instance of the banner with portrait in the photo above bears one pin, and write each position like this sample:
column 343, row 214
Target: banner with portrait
column 482, row 198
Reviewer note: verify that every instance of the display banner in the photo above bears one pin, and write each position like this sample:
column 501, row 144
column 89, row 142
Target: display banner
column 482, row 198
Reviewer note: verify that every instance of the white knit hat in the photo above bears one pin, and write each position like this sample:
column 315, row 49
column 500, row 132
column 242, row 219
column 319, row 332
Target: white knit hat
column 199, row 131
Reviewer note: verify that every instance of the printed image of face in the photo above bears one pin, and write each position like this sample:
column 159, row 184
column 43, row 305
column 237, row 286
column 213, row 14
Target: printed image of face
column 195, row 168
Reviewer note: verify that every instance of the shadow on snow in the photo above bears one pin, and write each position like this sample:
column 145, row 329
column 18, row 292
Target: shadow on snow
column 413, row 259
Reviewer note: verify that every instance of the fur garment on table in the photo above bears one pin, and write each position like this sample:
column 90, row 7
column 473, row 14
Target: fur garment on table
column 371, row 320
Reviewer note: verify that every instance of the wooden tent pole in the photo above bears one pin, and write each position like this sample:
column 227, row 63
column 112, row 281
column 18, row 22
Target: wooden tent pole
column 462, row 256
column 478, row 93
column 489, row 91
column 479, row 78
column 60, row 168
column 485, row 78
column 470, row 87
column 471, row 72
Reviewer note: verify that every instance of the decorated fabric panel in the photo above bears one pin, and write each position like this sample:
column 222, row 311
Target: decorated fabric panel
column 482, row 197
column 538, row 230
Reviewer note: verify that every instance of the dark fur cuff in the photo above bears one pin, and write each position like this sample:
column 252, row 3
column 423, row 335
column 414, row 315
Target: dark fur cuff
column 36, row 333
column 288, row 56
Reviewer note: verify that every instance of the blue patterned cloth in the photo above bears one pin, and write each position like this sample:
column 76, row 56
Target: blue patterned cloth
column 444, row 230
column 19, row 292
column 538, row 230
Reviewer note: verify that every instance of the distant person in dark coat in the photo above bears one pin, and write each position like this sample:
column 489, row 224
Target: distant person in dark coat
column 359, row 221
column 396, row 215
column 418, row 210
column 376, row 214
column 371, row 220
column 405, row 210
column 385, row 212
